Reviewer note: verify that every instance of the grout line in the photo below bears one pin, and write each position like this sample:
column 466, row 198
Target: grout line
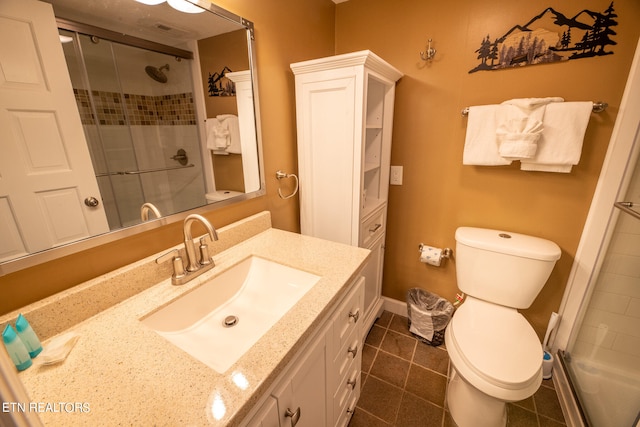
column 372, row 415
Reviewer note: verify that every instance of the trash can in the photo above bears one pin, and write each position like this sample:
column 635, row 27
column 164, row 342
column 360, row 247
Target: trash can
column 428, row 315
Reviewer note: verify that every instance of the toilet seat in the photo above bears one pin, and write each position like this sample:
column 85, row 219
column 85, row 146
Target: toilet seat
column 495, row 349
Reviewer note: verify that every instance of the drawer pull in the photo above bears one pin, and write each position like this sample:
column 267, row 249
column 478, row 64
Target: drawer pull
column 375, row 228
column 352, row 383
column 353, row 351
column 355, row 315
column 295, row 416
column 351, row 411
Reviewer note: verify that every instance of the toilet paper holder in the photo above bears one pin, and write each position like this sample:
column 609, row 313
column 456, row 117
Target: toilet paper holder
column 445, row 253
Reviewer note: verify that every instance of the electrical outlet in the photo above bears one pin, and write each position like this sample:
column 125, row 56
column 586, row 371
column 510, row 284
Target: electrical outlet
column 395, row 177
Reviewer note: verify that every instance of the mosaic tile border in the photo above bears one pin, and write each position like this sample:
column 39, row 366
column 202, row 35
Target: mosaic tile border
column 142, row 110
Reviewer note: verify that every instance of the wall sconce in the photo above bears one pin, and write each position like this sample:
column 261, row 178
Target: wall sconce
column 429, row 53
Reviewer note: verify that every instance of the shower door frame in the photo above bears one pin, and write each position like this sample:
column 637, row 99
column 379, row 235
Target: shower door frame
column 621, row 158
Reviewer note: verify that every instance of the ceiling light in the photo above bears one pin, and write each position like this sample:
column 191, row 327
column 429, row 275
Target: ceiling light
column 151, row 2
column 185, row 6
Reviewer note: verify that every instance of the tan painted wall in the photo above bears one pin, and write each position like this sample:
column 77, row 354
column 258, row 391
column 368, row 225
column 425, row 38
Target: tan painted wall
column 286, row 31
column 439, row 193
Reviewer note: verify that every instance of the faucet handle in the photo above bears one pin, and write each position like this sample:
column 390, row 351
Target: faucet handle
column 205, row 258
column 178, row 265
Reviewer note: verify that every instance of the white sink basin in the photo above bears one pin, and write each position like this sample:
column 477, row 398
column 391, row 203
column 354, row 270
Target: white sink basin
column 256, row 291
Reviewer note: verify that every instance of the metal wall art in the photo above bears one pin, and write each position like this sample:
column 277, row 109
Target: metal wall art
column 220, row 85
column 550, row 37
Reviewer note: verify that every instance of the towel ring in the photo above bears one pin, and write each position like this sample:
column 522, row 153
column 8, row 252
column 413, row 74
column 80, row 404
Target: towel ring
column 279, row 175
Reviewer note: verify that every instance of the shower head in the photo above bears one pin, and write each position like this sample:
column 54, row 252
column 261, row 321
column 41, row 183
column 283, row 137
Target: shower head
column 156, row 73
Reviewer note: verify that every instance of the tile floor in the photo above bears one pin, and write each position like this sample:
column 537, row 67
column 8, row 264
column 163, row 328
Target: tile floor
column 404, row 382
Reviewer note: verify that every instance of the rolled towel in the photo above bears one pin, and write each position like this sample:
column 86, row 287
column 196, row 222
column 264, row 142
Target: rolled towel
column 217, row 135
column 232, row 123
column 518, row 137
column 519, row 125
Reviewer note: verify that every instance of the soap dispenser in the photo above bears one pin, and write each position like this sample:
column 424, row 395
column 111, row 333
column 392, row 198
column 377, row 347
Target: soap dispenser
column 28, row 336
column 16, row 349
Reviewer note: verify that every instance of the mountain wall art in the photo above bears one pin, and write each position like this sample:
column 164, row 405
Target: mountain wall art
column 549, row 37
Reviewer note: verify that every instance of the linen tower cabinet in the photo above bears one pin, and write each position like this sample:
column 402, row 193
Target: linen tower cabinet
column 344, row 113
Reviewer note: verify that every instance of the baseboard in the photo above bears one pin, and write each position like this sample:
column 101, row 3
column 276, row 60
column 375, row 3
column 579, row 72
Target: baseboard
column 394, row 306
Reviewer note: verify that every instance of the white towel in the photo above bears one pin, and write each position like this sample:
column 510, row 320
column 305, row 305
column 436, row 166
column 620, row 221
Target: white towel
column 231, row 123
column 560, row 146
column 519, row 126
column 481, row 144
column 518, row 137
column 218, row 136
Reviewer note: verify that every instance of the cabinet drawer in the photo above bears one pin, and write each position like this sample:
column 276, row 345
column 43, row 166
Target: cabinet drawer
column 347, row 393
column 349, row 315
column 348, row 356
column 267, row 415
column 373, row 227
column 344, row 413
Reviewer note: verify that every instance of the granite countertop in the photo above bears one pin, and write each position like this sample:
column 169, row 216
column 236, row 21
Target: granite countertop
column 120, row 372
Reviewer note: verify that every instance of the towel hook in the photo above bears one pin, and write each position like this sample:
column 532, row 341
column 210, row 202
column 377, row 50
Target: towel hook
column 280, row 175
column 429, row 53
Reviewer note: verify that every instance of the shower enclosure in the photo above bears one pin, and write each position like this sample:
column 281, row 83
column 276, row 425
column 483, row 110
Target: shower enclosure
column 599, row 335
column 604, row 360
column 139, row 120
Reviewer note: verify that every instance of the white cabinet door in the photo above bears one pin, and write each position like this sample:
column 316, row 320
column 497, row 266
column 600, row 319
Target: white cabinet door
column 302, row 399
column 329, row 187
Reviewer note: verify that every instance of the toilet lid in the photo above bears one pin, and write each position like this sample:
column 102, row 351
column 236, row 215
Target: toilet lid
column 497, row 343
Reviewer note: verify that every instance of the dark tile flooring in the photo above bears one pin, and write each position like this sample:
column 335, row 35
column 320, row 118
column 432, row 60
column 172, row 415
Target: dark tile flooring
column 404, row 382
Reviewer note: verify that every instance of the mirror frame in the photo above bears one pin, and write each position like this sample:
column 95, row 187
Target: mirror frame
column 47, row 255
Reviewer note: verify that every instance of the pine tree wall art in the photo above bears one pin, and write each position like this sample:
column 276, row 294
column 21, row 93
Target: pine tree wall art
column 550, row 37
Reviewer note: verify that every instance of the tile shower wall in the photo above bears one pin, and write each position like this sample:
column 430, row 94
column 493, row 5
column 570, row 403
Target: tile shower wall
column 146, row 110
column 610, row 333
column 158, row 126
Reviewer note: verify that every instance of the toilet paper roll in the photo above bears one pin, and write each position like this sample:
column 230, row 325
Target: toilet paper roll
column 430, row 255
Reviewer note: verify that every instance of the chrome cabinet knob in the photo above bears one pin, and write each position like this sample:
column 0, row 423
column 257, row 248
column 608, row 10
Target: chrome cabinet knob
column 353, row 351
column 352, row 383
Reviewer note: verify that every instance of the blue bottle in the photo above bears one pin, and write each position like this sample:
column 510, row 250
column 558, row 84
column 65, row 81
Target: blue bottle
column 28, row 336
column 16, row 349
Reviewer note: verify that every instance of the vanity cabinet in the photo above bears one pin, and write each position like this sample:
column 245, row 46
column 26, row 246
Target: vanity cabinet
column 321, row 386
column 344, row 108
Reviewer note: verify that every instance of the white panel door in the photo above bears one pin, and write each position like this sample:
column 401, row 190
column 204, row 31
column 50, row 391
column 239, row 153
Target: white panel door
column 329, row 187
column 45, row 167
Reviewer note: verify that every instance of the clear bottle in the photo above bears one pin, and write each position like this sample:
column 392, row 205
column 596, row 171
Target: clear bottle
column 16, row 349
column 28, row 336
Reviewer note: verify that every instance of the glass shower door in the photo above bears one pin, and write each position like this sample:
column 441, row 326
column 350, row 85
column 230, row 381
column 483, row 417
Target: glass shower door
column 604, row 361
column 139, row 118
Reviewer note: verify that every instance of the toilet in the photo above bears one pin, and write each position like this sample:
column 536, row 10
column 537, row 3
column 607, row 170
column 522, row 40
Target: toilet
column 496, row 356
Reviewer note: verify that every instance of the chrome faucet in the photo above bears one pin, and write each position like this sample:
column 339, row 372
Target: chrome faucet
column 146, row 208
column 195, row 266
column 192, row 261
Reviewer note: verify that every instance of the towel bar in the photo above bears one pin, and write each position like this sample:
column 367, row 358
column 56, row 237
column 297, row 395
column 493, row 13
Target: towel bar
column 598, row 107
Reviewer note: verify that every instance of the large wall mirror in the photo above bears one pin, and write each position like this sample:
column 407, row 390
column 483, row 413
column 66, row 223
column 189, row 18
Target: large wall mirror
column 119, row 116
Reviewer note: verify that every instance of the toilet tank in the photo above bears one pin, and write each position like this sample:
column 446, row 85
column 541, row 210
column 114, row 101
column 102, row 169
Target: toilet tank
column 502, row 267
